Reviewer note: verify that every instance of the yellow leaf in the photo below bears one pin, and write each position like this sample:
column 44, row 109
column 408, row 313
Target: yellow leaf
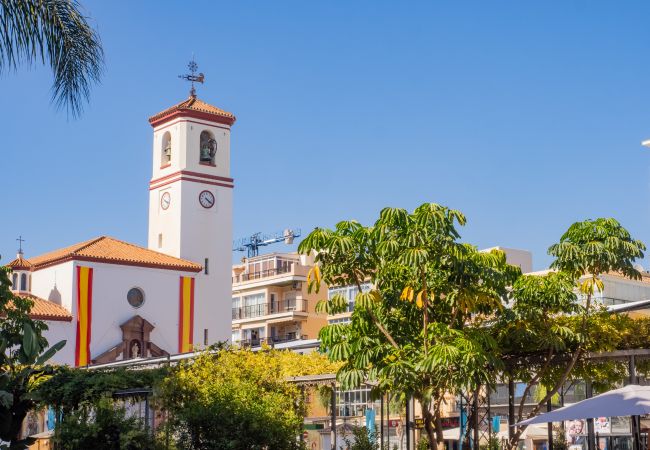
column 419, row 302
column 405, row 293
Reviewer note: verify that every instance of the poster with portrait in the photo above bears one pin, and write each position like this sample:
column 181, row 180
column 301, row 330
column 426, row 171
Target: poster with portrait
column 575, row 431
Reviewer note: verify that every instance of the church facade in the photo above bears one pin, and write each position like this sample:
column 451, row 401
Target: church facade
column 112, row 300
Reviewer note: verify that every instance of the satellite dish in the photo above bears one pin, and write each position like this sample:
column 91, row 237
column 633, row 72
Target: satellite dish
column 639, row 267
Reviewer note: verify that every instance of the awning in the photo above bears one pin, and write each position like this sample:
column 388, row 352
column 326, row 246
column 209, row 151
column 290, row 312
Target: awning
column 631, row 400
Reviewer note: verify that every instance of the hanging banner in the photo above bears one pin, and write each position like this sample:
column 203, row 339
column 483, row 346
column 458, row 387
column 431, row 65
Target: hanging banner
column 186, row 315
column 84, row 315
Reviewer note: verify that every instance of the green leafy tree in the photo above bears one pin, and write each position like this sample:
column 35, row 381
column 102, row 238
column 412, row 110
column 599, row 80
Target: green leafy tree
column 55, row 32
column 23, row 356
column 238, row 399
column 552, row 323
column 361, row 439
column 104, row 426
column 422, row 329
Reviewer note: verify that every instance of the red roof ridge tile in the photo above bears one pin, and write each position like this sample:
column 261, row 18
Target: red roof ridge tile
column 190, row 106
column 114, row 251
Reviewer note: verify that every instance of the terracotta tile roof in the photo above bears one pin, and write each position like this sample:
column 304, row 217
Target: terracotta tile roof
column 196, row 106
column 109, row 250
column 47, row 310
column 20, row 263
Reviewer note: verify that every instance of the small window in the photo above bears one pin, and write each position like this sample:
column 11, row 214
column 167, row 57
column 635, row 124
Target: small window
column 208, row 148
column 135, row 297
column 23, row 282
column 205, row 336
column 166, row 151
column 14, row 283
column 160, row 242
column 205, row 266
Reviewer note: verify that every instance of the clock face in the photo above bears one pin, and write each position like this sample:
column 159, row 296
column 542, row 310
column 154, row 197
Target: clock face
column 165, row 200
column 206, row 199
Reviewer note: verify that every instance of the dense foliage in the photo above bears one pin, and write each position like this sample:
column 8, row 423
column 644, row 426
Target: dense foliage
column 421, row 329
column 24, row 353
column 442, row 317
column 105, row 426
column 238, row 399
column 72, row 389
column 552, row 323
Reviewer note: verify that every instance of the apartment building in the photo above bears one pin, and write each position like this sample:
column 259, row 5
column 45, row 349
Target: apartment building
column 270, row 302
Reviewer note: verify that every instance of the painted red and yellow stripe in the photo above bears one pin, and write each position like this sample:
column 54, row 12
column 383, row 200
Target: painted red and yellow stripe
column 186, row 315
column 84, row 315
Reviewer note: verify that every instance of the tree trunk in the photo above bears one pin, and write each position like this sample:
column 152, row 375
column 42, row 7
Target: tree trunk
column 428, row 426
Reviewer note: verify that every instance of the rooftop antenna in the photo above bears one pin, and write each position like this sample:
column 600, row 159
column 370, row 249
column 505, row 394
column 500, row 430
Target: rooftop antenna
column 193, row 76
column 253, row 243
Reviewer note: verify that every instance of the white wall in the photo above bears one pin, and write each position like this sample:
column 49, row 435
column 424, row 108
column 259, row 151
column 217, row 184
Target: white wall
column 622, row 289
column 54, row 282
column 59, row 331
column 191, row 231
column 110, row 308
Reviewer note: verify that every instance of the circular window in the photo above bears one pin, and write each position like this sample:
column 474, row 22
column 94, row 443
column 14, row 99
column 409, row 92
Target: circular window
column 135, row 297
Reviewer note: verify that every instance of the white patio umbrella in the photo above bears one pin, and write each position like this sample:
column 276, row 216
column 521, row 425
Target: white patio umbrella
column 631, row 400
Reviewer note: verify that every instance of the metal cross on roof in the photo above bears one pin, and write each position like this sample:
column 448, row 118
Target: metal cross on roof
column 193, row 76
column 20, row 244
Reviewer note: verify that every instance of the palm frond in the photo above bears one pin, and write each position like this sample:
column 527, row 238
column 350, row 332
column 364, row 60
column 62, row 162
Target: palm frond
column 57, row 33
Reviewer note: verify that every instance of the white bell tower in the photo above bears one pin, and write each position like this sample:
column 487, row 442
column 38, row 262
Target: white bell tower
column 190, row 205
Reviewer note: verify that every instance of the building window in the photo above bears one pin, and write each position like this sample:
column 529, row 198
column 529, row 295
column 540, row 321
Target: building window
column 135, row 297
column 349, row 293
column 160, row 242
column 205, row 266
column 208, row 148
column 340, row 320
column 166, row 150
column 23, row 281
column 354, row 402
column 14, row 283
column 255, row 305
column 205, row 336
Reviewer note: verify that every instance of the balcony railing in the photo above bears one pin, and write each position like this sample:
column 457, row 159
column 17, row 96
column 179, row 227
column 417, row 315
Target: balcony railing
column 265, row 309
column 272, row 340
column 261, row 274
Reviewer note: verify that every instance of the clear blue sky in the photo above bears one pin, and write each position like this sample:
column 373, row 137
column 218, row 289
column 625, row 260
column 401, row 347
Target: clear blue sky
column 526, row 116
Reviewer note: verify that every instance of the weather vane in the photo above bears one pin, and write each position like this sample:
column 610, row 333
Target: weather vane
column 193, row 76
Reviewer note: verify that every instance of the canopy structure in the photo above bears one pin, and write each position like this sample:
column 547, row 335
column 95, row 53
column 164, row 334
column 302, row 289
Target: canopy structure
column 631, row 400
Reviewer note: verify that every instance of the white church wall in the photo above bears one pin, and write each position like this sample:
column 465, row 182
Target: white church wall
column 212, row 291
column 56, row 284
column 192, row 136
column 59, row 331
column 110, row 307
column 165, row 236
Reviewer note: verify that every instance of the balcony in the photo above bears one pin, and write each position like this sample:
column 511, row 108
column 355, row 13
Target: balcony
column 261, row 274
column 266, row 309
column 274, row 268
column 272, row 340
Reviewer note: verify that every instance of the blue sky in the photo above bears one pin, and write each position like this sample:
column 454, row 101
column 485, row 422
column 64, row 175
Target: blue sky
column 526, row 116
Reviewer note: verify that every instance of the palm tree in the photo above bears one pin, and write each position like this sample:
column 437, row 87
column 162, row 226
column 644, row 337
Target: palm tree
column 56, row 32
